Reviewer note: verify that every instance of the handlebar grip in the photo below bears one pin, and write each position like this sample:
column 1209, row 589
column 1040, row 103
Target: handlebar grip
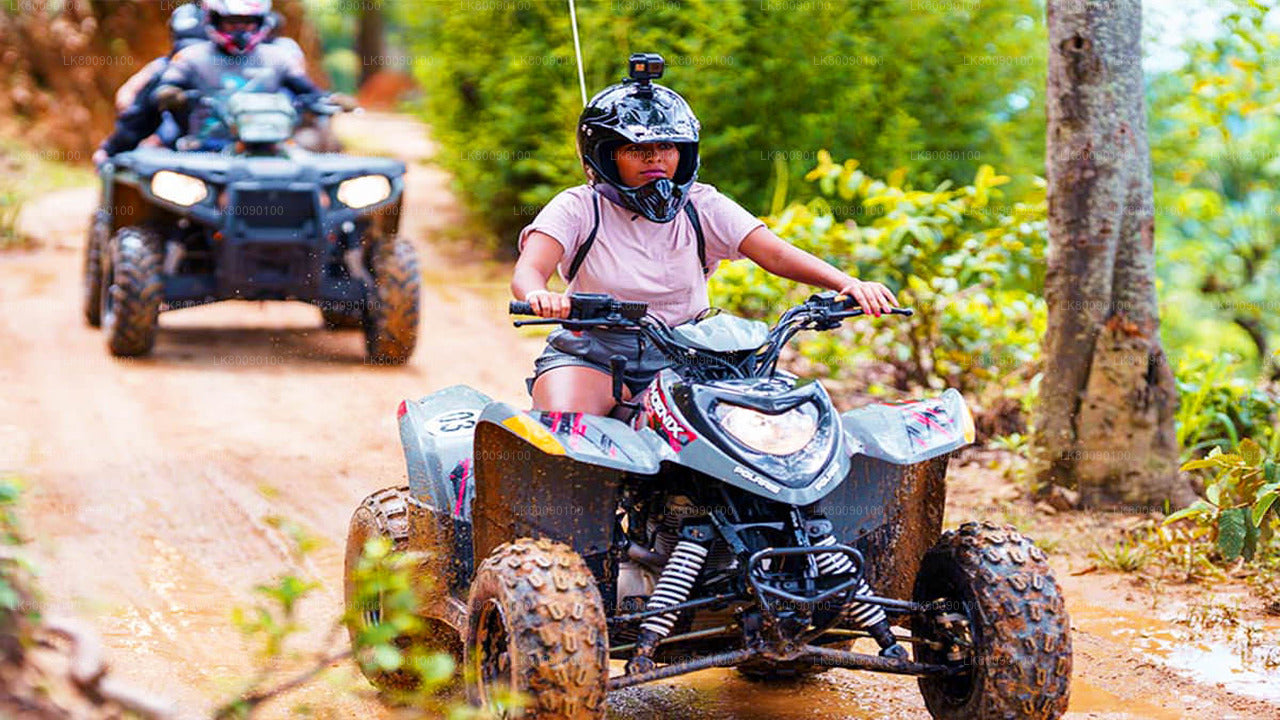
column 520, row 308
column 902, row 311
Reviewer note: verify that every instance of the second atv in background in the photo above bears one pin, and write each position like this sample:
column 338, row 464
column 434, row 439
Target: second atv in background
column 241, row 214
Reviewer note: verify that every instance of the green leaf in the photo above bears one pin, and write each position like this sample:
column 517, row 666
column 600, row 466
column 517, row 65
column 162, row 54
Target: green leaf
column 1213, row 493
column 1251, row 452
column 1250, row 540
column 1200, row 464
column 386, row 657
column 1264, row 503
column 1198, row 507
column 1231, row 532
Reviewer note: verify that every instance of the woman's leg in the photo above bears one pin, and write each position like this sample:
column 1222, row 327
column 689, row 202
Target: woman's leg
column 575, row 388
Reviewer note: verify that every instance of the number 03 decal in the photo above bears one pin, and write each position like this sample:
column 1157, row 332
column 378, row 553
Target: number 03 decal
column 454, row 422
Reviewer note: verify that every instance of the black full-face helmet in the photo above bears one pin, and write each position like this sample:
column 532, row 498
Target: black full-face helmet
column 638, row 111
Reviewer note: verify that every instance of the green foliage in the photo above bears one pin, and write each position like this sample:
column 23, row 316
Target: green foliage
column 380, row 575
column 968, row 265
column 1214, row 132
column 15, row 571
column 10, row 208
column 1240, row 507
column 938, row 91
column 1126, row 556
column 1218, row 408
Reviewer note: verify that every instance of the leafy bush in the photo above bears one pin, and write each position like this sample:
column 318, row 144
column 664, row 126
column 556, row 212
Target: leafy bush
column 1218, row 408
column 939, row 91
column 1240, row 506
column 1213, row 137
column 967, row 264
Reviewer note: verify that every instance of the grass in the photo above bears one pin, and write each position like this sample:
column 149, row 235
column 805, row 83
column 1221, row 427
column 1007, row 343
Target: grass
column 1125, row 556
column 26, row 173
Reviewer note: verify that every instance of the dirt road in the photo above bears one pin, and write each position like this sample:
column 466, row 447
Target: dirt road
column 150, row 480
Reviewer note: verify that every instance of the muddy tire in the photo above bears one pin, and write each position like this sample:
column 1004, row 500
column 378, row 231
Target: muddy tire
column 1020, row 667
column 391, row 306
column 92, row 279
column 388, row 513
column 537, row 626
column 132, row 292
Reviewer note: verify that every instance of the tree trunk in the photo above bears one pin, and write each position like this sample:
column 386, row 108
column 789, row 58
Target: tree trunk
column 369, row 41
column 1108, row 398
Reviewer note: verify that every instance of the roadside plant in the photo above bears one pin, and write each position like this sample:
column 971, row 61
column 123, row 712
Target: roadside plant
column 1240, row 506
column 1218, row 408
column 967, row 262
column 382, row 576
column 1126, row 556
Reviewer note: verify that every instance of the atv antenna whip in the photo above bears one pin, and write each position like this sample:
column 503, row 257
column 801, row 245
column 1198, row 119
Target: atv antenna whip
column 577, row 49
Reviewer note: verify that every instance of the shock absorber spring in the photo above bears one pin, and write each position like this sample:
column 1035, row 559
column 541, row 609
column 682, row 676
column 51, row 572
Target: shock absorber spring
column 674, row 585
column 865, row 615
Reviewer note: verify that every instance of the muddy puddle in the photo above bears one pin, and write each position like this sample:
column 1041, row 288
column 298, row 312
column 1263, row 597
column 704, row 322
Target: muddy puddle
column 1206, row 643
column 721, row 694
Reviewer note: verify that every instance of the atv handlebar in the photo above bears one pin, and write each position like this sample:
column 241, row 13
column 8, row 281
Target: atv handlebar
column 822, row 311
column 589, row 307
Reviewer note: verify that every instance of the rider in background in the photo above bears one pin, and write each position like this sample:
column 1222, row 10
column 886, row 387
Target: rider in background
column 139, row 118
column 654, row 234
column 236, row 56
column 288, row 44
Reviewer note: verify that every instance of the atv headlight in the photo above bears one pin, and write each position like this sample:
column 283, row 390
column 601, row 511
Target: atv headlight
column 178, row 189
column 781, row 434
column 364, row 191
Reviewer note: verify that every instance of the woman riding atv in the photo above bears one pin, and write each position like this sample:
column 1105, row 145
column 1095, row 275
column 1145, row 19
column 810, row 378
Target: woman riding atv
column 656, row 239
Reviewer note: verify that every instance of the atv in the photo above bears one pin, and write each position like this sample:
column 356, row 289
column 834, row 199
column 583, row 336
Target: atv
column 728, row 516
column 240, row 213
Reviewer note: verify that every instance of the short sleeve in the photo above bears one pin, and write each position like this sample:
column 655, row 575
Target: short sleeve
column 565, row 219
column 725, row 223
column 178, row 71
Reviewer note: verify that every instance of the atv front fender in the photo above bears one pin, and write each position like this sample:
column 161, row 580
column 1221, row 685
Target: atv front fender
column 910, row 432
column 437, row 433
column 554, row 475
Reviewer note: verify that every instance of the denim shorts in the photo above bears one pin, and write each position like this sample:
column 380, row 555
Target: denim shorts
column 592, row 348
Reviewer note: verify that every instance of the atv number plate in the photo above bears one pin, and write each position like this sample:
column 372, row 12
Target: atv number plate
column 451, row 423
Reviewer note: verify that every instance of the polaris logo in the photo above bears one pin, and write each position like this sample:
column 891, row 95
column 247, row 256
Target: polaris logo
column 827, row 476
column 749, row 476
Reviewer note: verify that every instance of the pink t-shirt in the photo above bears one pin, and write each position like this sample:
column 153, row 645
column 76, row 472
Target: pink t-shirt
column 634, row 258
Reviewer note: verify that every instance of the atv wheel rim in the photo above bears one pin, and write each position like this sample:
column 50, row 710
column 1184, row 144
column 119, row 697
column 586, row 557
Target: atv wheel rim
column 959, row 687
column 493, row 676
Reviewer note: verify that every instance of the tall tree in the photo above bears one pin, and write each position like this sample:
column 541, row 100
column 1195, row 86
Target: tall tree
column 370, row 42
column 1108, row 398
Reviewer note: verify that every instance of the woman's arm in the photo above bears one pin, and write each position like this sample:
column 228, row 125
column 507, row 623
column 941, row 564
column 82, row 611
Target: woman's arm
column 538, row 259
column 786, row 260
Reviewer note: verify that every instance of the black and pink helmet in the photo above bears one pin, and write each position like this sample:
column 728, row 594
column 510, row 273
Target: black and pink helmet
column 239, row 42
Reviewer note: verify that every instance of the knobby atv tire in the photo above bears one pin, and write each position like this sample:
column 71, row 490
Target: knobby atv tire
column 133, row 293
column 537, row 626
column 391, row 305
column 1021, row 663
column 388, row 513
column 94, row 246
